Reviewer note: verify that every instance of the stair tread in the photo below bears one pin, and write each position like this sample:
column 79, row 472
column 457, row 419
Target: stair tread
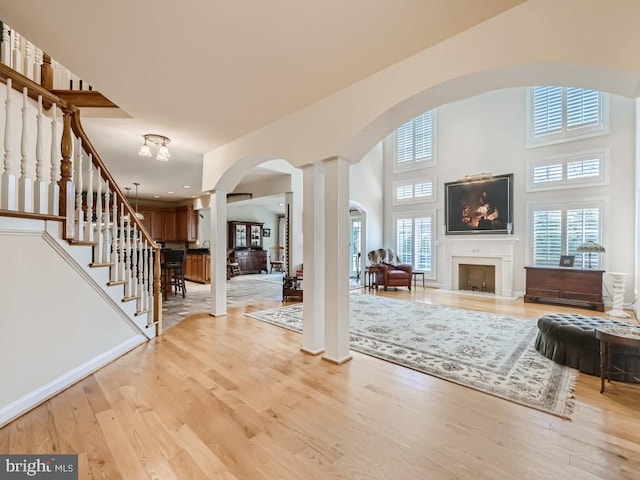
column 119, row 282
column 100, row 264
column 128, row 299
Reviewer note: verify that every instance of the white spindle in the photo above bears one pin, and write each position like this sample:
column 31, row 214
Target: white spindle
column 25, row 189
column 143, row 278
column 36, row 66
column 16, row 64
column 127, row 260
column 54, row 188
column 98, row 229
column 134, row 266
column 27, row 59
column 79, row 217
column 115, row 264
column 5, row 45
column 121, row 244
column 106, row 251
column 9, row 182
column 88, row 232
column 40, row 187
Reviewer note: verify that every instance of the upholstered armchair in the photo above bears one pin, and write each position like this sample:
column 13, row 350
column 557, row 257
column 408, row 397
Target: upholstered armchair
column 390, row 271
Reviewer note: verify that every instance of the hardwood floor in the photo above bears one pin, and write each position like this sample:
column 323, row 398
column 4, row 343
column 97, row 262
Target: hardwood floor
column 232, row 397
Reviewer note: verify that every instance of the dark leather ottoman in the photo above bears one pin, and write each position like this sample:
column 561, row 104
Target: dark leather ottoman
column 570, row 339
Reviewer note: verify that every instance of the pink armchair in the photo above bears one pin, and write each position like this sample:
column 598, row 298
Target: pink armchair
column 390, row 272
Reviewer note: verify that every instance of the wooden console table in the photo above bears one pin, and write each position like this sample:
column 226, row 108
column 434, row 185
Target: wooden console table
column 565, row 286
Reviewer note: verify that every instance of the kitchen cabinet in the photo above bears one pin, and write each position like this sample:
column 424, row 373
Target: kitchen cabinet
column 198, row 266
column 171, row 224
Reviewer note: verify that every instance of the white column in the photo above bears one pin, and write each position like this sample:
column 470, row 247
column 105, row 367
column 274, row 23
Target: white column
column 313, row 258
column 336, row 261
column 617, row 296
column 219, row 253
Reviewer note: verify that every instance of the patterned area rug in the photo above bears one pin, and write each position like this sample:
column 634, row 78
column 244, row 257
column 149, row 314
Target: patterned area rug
column 490, row 353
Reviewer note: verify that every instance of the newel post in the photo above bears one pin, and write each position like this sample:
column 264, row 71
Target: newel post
column 157, row 294
column 46, row 72
column 67, row 188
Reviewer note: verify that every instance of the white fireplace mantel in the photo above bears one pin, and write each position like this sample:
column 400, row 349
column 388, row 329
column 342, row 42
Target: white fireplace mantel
column 481, row 251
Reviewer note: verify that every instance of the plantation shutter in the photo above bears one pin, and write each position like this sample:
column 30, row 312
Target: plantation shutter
column 583, row 108
column 423, row 137
column 547, row 237
column 404, row 144
column 547, row 110
column 582, row 224
column 423, row 236
column 404, row 239
column 548, row 173
column 584, row 168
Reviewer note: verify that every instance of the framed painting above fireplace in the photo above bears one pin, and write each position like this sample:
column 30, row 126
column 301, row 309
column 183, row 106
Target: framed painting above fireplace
column 479, row 205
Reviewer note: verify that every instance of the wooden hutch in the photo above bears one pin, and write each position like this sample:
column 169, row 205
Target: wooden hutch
column 245, row 239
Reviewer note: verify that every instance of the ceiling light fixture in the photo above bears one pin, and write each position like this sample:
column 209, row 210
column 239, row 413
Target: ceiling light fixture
column 157, row 141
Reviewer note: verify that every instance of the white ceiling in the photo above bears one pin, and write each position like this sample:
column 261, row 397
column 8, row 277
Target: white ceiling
column 207, row 72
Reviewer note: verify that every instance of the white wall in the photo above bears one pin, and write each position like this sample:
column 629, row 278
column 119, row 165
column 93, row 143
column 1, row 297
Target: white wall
column 55, row 326
column 486, row 133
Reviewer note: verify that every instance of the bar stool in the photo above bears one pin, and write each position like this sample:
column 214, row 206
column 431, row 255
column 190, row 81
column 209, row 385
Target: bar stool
column 174, row 261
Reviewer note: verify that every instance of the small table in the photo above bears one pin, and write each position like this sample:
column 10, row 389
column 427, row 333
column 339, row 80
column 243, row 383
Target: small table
column 371, row 277
column 628, row 336
column 415, row 274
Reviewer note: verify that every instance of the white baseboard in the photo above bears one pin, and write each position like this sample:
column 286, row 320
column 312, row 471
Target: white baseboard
column 22, row 405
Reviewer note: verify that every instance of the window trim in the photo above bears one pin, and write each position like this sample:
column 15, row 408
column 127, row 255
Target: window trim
column 413, row 165
column 413, row 200
column 602, row 203
column 564, row 160
column 565, row 135
column 428, row 274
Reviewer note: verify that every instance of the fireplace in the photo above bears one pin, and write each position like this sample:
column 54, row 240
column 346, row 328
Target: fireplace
column 480, row 255
column 477, row 278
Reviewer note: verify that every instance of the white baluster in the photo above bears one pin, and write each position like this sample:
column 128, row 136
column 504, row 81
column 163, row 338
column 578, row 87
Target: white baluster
column 122, row 242
column 79, row 217
column 115, row 264
column 5, row 45
column 25, row 185
column 134, row 266
column 143, row 277
column 127, row 260
column 36, row 66
column 15, row 52
column 54, row 188
column 88, row 232
column 27, row 59
column 98, row 228
column 40, row 187
column 106, row 251
column 9, row 182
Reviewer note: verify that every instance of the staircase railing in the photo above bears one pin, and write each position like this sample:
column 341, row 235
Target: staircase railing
column 72, row 183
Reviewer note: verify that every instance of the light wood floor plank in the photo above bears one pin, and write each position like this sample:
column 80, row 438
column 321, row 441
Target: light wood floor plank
column 232, row 397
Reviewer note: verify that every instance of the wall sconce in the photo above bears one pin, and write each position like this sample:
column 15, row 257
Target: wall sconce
column 159, row 141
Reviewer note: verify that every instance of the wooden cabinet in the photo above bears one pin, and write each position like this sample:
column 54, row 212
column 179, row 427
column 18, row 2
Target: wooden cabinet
column 565, row 286
column 251, row 261
column 171, row 224
column 244, row 234
column 198, row 267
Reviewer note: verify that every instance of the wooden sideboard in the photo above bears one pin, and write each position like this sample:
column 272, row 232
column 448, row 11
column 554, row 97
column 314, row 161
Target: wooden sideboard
column 565, row 286
column 251, row 261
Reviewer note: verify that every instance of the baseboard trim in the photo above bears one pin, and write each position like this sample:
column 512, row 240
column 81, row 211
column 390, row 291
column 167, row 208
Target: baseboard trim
column 312, row 352
column 31, row 400
column 339, row 361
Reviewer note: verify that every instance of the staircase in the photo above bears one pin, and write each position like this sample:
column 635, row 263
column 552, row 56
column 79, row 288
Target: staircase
column 80, row 281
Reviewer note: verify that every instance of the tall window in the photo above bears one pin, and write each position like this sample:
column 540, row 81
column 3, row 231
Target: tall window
column 560, row 229
column 415, row 241
column 564, row 113
column 415, row 142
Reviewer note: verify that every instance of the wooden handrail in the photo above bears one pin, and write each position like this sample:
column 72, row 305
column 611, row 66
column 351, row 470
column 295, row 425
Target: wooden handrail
column 19, row 81
column 76, row 126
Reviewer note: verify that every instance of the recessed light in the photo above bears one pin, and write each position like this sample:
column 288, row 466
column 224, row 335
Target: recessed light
column 170, row 193
column 156, row 196
column 186, row 186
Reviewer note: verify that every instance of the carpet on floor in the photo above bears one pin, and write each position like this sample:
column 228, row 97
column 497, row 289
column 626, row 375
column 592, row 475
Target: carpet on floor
column 487, row 352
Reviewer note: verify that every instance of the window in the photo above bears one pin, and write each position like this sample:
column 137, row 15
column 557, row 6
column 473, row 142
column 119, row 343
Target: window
column 415, row 142
column 560, row 114
column 560, row 229
column 575, row 170
column 412, row 191
column 415, row 241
